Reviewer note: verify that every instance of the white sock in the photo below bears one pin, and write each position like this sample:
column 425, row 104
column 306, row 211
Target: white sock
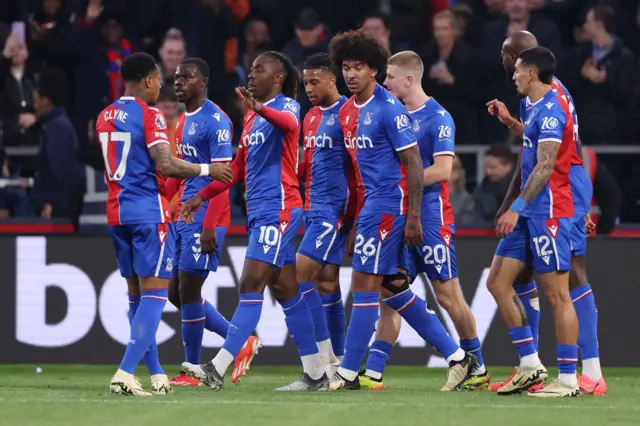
column 530, row 361
column 222, row 361
column 373, row 374
column 326, row 352
column 479, row 371
column 348, row 374
column 456, row 356
column 591, row 367
column 313, row 366
column 568, row 379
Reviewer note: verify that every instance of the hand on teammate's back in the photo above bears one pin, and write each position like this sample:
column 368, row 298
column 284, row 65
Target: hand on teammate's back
column 190, row 208
column 221, row 172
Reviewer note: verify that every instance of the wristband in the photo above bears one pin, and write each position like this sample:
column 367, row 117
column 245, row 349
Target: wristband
column 204, row 170
column 518, row 205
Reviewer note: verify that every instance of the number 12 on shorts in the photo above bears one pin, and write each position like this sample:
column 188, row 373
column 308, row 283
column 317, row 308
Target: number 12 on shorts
column 542, row 244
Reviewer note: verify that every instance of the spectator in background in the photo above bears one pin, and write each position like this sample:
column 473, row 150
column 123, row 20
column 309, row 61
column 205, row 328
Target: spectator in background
column 168, row 103
column 59, row 184
column 491, row 71
column 463, row 15
column 255, row 40
column 47, row 28
column 499, row 167
column 484, row 11
column 460, row 199
column 172, row 52
column 13, row 200
column 606, row 204
column 603, row 80
column 449, row 76
column 377, row 25
column 311, row 37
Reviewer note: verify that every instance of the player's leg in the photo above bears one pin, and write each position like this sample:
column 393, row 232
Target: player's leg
column 387, row 332
column 551, row 246
column 214, row 321
column 591, row 380
column 329, row 289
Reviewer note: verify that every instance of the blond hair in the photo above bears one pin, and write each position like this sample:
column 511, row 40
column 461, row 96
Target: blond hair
column 448, row 15
column 409, row 61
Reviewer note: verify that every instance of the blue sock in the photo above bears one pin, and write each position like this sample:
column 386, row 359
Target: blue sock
column 567, row 358
column 336, row 320
column 192, row 329
column 361, row 327
column 300, row 323
column 585, row 305
column 474, row 347
column 414, row 310
column 533, row 310
column 379, row 354
column 522, row 340
column 314, row 302
column 244, row 321
column 214, row 321
column 151, row 357
column 143, row 327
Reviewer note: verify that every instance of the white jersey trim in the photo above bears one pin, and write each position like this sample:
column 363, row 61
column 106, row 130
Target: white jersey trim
column 451, row 153
column 419, row 108
column 189, row 114
column 550, row 140
column 407, row 146
column 221, row 160
column 401, row 200
column 330, row 106
column 156, row 142
column 355, row 104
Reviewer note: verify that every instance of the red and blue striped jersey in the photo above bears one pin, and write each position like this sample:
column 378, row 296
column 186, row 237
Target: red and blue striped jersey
column 326, row 158
column 271, row 159
column 377, row 130
column 435, row 130
column 549, row 120
column 126, row 130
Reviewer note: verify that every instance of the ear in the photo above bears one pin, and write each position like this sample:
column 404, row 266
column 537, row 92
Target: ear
column 279, row 77
column 374, row 73
column 409, row 81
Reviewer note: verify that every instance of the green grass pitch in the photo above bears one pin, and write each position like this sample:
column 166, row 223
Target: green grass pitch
column 72, row 395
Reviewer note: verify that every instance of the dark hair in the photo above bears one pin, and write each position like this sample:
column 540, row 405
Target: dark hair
column 137, row 66
column 167, row 93
column 378, row 14
column 319, row 61
column 52, row 85
column 200, row 64
column 357, row 46
column 543, row 60
column 607, row 16
column 502, row 152
column 291, row 78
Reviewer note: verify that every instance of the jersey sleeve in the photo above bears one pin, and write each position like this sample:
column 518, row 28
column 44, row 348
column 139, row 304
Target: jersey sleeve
column 292, row 107
column 443, row 135
column 551, row 123
column 399, row 128
column 220, row 136
column 155, row 127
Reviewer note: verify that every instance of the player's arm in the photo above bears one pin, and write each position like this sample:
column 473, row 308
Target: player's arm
column 499, row 110
column 443, row 136
column 285, row 121
column 220, row 136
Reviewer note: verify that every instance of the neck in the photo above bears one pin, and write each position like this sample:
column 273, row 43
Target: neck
column 538, row 91
column 269, row 96
column 137, row 92
column 602, row 39
column 445, row 49
column 364, row 96
column 521, row 20
column 415, row 99
column 195, row 103
column 333, row 97
column 18, row 68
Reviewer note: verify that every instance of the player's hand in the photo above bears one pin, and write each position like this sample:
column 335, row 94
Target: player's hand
column 190, row 208
column 248, row 99
column 208, row 240
column 589, row 225
column 499, row 110
column 507, row 223
column 221, row 172
column 351, row 239
column 413, row 232
column 502, row 210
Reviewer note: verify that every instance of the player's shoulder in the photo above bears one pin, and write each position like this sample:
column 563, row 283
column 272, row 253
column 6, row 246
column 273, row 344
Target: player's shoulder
column 386, row 101
column 285, row 103
column 438, row 112
column 214, row 114
column 553, row 105
column 347, row 108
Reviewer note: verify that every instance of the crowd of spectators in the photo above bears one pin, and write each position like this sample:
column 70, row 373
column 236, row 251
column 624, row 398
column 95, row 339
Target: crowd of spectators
column 60, row 67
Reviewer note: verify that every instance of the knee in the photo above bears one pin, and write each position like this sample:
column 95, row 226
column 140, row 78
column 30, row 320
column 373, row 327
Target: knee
column 558, row 298
column 174, row 296
column 251, row 285
column 445, row 300
column 328, row 287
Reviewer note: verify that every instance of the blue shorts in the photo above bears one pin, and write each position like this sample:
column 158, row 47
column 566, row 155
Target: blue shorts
column 579, row 236
column 272, row 236
column 145, row 250
column 581, row 189
column 325, row 237
column 189, row 253
column 379, row 243
column 543, row 243
column 436, row 256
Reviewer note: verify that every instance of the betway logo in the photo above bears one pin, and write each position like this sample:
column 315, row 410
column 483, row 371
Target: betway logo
column 318, row 141
column 361, row 142
column 87, row 302
column 186, row 150
column 255, row 138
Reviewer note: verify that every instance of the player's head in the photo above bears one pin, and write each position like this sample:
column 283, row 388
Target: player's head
column 534, row 66
column 513, row 46
column 361, row 58
column 319, row 79
column 51, row 91
column 271, row 71
column 140, row 71
column 404, row 73
column 191, row 79
column 498, row 162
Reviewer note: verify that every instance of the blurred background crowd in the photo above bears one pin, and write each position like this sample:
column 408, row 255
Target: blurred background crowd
column 60, row 68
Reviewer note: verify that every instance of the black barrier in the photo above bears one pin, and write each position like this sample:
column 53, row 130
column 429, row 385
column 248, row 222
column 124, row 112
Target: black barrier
column 63, row 301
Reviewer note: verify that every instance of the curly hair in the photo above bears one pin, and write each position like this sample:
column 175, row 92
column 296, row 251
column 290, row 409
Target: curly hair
column 357, row 46
column 291, row 77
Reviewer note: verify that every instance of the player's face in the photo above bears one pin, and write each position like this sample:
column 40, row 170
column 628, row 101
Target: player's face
column 396, row 81
column 153, row 83
column 358, row 75
column 509, row 58
column 264, row 73
column 188, row 82
column 318, row 83
column 443, row 31
column 496, row 168
column 522, row 78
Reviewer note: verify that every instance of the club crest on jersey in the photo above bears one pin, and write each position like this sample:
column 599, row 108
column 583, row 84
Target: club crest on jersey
column 192, row 129
column 332, row 120
column 169, row 266
column 416, row 125
column 367, row 118
column 160, row 123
